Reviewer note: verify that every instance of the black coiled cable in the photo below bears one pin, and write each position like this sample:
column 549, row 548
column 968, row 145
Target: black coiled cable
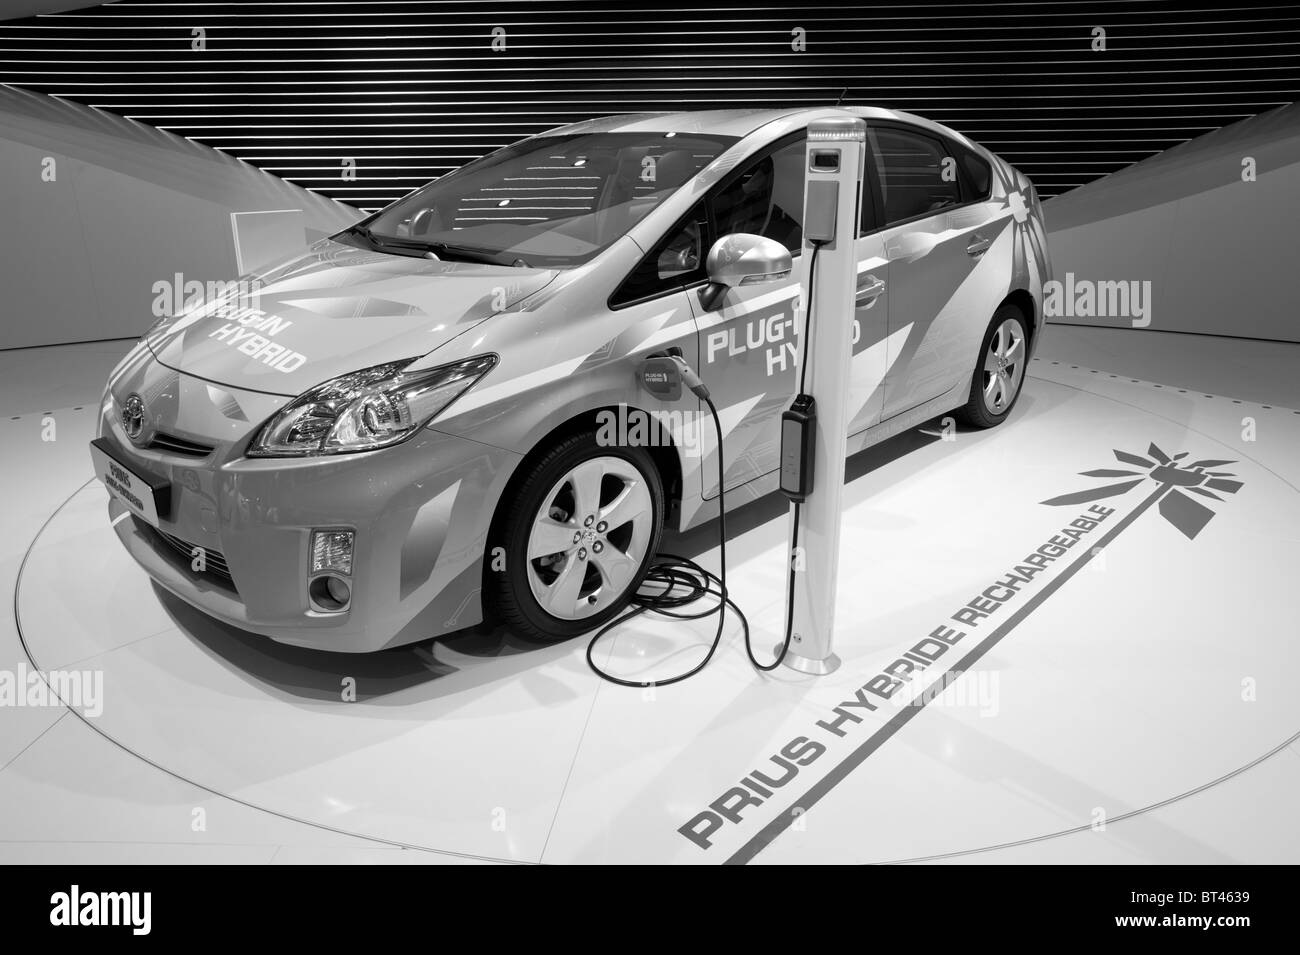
column 679, row 582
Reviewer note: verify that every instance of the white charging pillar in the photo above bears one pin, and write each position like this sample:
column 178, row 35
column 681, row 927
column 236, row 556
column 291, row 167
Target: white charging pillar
column 836, row 155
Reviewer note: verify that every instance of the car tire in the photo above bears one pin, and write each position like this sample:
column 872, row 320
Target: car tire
column 601, row 508
column 1000, row 370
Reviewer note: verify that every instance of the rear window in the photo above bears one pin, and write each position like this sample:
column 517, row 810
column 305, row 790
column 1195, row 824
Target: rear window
column 976, row 175
column 912, row 174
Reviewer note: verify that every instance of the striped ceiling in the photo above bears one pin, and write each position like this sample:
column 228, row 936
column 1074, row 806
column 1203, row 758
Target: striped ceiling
column 407, row 90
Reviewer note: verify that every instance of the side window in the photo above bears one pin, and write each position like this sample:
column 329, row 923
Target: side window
column 912, row 176
column 677, row 260
column 766, row 198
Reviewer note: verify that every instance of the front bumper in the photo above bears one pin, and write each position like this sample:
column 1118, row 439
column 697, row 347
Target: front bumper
column 420, row 510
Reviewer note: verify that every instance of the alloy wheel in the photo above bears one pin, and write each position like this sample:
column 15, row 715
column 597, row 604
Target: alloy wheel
column 589, row 537
column 1004, row 366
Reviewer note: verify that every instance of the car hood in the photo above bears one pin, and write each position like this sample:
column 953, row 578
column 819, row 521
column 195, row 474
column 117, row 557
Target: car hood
column 335, row 310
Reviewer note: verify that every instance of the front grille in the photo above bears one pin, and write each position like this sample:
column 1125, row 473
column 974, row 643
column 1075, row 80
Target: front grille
column 174, row 444
column 216, row 568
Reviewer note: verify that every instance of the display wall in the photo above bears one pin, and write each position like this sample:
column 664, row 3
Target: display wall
column 108, row 208
column 1067, row 91
column 1210, row 225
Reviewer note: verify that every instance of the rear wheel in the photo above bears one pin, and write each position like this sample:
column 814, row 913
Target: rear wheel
column 999, row 371
column 578, row 532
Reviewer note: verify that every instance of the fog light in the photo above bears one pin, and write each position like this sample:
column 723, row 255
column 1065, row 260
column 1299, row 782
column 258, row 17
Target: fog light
column 338, row 589
column 329, row 594
column 331, row 550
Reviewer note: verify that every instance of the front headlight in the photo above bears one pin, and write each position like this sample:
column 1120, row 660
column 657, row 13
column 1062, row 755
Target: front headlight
column 366, row 409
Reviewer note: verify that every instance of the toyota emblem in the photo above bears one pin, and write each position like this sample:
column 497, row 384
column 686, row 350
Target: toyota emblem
column 133, row 416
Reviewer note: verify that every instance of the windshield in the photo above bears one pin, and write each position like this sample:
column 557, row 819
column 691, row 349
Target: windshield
column 551, row 201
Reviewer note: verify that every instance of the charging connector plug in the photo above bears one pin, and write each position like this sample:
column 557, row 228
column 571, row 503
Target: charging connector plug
column 664, row 375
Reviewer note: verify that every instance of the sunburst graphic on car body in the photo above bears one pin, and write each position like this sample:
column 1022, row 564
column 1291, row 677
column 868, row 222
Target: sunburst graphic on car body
column 1029, row 231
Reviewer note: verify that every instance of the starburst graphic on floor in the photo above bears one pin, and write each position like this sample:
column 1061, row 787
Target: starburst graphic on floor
column 1173, row 477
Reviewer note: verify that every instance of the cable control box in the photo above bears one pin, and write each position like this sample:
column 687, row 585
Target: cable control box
column 798, row 426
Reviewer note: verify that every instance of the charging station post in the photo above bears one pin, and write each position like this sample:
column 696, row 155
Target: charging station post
column 836, row 156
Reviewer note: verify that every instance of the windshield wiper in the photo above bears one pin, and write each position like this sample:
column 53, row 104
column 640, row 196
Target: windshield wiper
column 440, row 249
column 444, row 249
column 365, row 233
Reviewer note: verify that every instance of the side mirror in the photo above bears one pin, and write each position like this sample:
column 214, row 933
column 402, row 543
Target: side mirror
column 743, row 259
column 426, row 221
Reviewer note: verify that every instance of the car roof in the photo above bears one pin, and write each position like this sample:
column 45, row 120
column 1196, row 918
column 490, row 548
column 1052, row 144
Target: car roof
column 719, row 122
column 735, row 122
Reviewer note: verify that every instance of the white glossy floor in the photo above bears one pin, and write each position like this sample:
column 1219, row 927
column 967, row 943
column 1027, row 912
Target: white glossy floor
column 1134, row 703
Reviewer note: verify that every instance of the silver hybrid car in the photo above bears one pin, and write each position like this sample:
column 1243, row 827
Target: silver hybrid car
column 438, row 414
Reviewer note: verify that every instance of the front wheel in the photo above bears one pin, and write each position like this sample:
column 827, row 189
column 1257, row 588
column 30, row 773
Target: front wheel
column 578, row 534
column 999, row 370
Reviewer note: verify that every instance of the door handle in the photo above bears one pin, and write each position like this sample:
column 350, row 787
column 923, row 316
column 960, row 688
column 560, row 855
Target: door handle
column 978, row 245
column 869, row 289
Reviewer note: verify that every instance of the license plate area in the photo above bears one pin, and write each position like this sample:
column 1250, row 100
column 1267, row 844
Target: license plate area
column 144, row 494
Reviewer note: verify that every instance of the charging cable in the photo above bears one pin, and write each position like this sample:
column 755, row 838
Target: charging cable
column 680, row 581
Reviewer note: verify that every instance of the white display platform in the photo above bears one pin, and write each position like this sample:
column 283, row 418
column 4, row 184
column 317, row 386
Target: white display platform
column 1113, row 681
